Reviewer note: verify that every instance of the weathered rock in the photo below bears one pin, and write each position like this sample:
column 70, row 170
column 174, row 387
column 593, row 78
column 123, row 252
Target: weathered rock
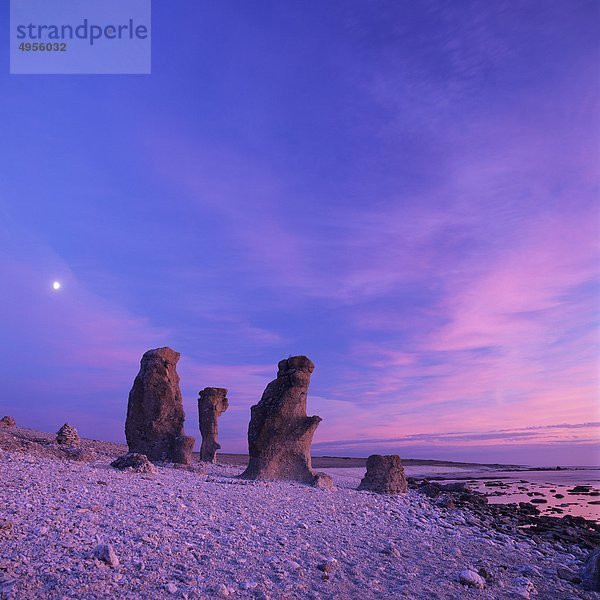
column 68, row 436
column 280, row 432
column 183, row 446
column 134, row 463
column 528, row 508
column 385, row 475
column 471, row 579
column 155, row 416
column 323, row 480
column 212, row 403
column 580, row 489
column 590, row 576
column 7, row 422
column 106, row 554
column 430, row 489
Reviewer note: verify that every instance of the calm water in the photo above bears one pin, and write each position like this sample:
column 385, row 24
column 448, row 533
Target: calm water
column 516, row 485
column 525, row 486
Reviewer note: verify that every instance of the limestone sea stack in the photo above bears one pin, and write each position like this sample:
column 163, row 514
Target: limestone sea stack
column 280, row 432
column 385, row 475
column 212, row 403
column 155, row 416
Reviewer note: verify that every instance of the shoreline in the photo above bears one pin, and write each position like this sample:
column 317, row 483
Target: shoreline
column 331, row 462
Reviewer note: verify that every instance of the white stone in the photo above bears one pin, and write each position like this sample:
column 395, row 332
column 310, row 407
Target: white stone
column 472, row 579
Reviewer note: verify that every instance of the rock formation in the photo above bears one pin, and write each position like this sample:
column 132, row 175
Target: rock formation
column 67, row 435
column 7, row 422
column 468, row 577
column 155, row 416
column 212, row 403
column 280, row 433
column 134, row 463
column 385, row 475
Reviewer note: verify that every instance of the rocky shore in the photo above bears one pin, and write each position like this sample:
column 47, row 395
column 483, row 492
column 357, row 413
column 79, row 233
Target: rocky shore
column 515, row 519
column 71, row 526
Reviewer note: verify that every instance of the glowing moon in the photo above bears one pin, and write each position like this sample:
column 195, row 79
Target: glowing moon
column 56, row 285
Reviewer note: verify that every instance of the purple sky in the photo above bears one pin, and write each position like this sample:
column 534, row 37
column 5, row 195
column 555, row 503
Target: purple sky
column 406, row 192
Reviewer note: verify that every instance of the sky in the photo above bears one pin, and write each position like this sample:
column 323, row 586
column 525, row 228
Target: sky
column 405, row 192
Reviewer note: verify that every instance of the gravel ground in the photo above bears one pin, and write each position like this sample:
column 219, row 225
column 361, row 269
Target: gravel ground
column 202, row 533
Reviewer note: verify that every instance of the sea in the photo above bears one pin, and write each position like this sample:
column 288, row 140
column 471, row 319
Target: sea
column 568, row 491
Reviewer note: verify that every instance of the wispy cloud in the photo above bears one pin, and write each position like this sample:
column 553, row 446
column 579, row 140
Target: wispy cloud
column 568, row 443
column 579, row 432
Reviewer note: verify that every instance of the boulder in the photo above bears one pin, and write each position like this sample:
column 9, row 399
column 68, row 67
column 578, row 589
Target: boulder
column 7, row 422
column 528, row 508
column 471, row 579
column 134, row 462
column 430, row 488
column 68, row 436
column 212, row 403
column 280, row 433
column 323, row 480
column 385, row 475
column 590, row 576
column 155, row 416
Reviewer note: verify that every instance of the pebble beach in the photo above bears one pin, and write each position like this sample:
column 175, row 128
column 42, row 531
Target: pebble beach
column 77, row 528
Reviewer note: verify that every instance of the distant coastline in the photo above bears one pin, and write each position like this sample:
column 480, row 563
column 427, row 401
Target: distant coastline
column 332, row 462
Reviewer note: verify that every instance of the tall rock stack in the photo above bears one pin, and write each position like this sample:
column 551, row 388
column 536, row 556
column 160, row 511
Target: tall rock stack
column 280, row 432
column 155, row 416
column 212, row 403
